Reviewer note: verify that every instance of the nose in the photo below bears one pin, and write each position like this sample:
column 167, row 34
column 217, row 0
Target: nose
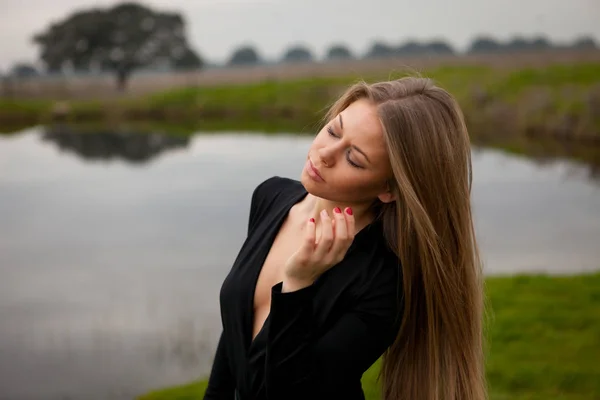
column 327, row 155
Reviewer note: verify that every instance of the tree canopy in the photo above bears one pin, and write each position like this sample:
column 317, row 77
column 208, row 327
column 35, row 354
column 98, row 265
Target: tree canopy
column 339, row 52
column 298, row 54
column 120, row 39
column 414, row 48
column 245, row 55
column 23, row 70
column 484, row 44
column 585, row 43
column 380, row 49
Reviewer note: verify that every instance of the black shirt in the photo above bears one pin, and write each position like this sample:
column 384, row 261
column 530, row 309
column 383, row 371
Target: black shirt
column 317, row 341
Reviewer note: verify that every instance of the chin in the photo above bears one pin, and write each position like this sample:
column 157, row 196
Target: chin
column 306, row 182
column 314, row 188
column 310, row 185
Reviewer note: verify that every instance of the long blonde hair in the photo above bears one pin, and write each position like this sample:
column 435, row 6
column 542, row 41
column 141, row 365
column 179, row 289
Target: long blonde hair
column 438, row 353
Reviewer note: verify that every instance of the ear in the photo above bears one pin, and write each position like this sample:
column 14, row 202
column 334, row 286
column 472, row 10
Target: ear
column 387, row 196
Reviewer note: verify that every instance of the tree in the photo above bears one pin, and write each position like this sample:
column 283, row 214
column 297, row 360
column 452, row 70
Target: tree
column 584, row 43
column 339, row 52
column 439, row 47
column 23, row 70
column 298, row 54
column 188, row 60
column 120, row 39
column 540, row 43
column 410, row 48
column 484, row 45
column 413, row 48
column 245, row 55
column 380, row 49
column 517, row 44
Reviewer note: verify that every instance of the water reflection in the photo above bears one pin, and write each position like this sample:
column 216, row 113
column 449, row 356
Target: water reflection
column 134, row 147
column 140, row 145
column 110, row 274
column 592, row 166
column 545, row 153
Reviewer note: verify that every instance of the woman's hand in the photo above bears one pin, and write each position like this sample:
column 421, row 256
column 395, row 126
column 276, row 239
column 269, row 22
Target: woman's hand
column 315, row 257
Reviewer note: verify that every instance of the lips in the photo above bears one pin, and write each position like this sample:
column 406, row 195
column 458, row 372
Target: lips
column 314, row 170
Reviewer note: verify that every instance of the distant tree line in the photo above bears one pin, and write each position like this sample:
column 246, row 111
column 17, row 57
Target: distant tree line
column 131, row 36
column 248, row 55
column 489, row 45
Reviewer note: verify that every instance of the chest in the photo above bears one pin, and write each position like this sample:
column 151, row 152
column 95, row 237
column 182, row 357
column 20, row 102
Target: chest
column 272, row 272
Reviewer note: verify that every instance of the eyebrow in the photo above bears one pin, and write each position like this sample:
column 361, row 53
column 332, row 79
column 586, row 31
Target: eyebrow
column 353, row 146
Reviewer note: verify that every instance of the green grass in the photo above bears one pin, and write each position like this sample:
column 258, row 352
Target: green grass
column 19, row 105
column 553, row 76
column 191, row 391
column 14, row 112
column 310, row 95
column 316, row 93
column 545, row 337
column 306, row 99
column 543, row 342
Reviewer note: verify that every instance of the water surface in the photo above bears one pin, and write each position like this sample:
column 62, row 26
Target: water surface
column 113, row 247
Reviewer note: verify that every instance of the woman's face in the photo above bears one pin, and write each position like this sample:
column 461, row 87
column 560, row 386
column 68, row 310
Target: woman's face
column 347, row 161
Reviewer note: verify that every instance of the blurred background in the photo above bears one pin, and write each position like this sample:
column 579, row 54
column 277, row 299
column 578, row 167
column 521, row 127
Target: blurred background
column 133, row 134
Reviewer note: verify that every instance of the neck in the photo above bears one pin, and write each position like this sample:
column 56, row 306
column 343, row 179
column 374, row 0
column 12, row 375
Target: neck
column 362, row 212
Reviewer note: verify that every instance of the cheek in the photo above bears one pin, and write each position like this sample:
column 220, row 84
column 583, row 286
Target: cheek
column 318, row 141
column 358, row 188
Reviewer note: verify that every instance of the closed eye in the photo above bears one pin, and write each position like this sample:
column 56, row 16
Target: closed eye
column 331, row 132
column 352, row 163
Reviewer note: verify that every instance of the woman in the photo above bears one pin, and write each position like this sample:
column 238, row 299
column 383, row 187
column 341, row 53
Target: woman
column 372, row 253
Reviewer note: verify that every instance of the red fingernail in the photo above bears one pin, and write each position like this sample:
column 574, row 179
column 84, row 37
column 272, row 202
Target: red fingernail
column 337, row 210
column 349, row 211
column 312, row 220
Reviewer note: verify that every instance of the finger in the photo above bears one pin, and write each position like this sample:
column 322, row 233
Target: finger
column 308, row 244
column 350, row 223
column 326, row 239
column 340, row 233
column 311, row 233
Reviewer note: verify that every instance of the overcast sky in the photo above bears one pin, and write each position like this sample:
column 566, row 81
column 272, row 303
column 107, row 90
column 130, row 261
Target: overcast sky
column 216, row 27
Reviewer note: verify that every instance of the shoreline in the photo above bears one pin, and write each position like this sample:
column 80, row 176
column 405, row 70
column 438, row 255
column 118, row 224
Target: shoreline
column 542, row 111
column 557, row 101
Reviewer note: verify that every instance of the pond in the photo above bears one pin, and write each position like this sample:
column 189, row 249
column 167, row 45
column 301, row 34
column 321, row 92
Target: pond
column 113, row 247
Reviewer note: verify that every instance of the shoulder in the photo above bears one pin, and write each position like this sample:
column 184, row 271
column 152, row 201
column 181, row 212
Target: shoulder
column 269, row 194
column 274, row 188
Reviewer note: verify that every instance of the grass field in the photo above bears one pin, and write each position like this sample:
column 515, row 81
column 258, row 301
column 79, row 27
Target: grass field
column 103, row 87
column 543, row 337
column 529, row 95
